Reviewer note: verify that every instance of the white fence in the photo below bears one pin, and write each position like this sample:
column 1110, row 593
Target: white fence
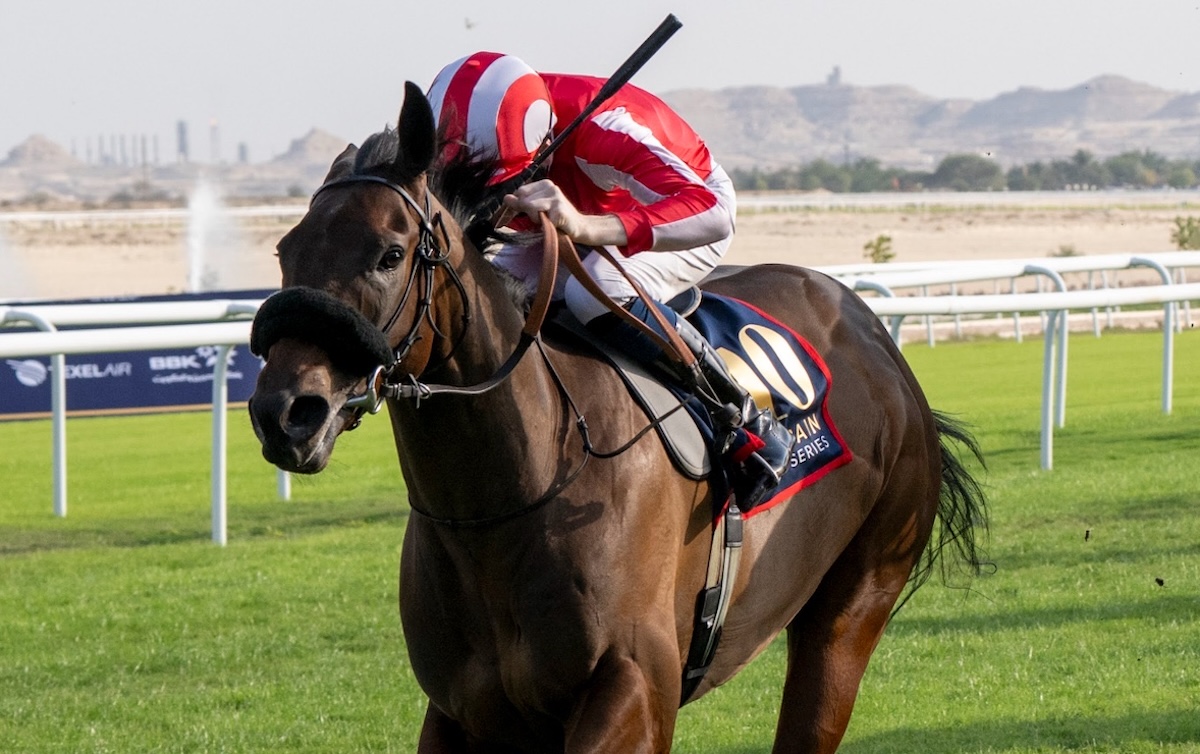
column 886, row 279
column 1056, row 305
column 782, row 201
column 748, row 201
column 162, row 216
column 55, row 344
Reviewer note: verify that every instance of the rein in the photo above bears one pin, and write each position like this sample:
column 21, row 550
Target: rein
column 379, row 388
column 431, row 257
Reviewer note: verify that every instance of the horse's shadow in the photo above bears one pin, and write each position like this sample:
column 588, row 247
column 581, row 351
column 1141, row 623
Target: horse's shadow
column 1116, row 732
column 1152, row 728
column 256, row 521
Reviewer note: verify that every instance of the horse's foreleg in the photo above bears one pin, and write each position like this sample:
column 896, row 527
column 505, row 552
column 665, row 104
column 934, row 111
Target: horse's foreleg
column 831, row 640
column 623, row 712
column 441, row 735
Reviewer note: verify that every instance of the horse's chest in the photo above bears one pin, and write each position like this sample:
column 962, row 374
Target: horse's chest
column 509, row 683
column 527, row 647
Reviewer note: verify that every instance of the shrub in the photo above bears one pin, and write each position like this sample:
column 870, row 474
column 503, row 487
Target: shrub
column 879, row 250
column 1186, row 235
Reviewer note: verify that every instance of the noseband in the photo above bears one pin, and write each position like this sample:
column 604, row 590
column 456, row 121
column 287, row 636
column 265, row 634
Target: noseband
column 356, row 345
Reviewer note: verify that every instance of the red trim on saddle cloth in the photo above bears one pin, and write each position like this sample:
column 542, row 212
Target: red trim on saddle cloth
column 784, row 493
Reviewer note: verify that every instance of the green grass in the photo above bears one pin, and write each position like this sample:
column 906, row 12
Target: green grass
column 124, row 629
column 145, row 480
column 1071, row 645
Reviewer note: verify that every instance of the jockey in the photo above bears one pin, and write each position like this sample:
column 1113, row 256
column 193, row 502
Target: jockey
column 633, row 177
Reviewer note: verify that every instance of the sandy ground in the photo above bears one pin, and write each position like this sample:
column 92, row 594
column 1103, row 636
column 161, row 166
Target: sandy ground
column 118, row 257
column 832, row 237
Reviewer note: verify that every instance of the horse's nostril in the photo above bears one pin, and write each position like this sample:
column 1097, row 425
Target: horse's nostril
column 266, row 409
column 306, row 415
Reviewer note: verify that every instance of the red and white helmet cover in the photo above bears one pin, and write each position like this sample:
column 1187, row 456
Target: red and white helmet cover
column 492, row 104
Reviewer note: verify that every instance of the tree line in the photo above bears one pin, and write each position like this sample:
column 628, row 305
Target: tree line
column 972, row 172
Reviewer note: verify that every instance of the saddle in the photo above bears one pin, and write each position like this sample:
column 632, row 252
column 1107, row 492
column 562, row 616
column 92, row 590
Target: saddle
column 775, row 364
column 780, row 369
column 677, row 429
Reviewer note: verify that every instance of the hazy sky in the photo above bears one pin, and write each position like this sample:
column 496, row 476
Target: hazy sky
column 269, row 70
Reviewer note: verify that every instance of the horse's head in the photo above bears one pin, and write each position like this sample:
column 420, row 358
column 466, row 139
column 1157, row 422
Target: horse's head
column 359, row 273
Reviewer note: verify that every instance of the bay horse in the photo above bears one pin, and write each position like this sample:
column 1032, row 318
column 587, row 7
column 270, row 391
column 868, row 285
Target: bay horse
column 548, row 602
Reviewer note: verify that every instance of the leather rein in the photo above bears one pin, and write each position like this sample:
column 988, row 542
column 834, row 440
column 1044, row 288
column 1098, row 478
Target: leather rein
column 432, row 257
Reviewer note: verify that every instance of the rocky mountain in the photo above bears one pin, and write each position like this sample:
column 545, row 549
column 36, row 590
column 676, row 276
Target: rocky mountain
column 38, row 150
column 316, row 147
column 774, row 127
column 767, row 127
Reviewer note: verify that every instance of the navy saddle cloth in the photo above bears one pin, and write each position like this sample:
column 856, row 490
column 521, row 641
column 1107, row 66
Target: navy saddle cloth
column 777, row 366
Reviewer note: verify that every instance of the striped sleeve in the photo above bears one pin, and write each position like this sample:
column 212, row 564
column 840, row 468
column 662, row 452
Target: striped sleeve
column 672, row 206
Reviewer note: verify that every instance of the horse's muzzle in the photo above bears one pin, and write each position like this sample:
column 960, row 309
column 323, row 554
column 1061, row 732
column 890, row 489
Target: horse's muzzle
column 295, row 431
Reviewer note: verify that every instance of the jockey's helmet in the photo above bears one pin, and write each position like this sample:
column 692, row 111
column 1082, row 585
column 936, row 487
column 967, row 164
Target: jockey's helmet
column 494, row 105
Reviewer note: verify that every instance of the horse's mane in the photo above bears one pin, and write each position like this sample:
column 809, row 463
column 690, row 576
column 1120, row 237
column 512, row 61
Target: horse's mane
column 460, row 181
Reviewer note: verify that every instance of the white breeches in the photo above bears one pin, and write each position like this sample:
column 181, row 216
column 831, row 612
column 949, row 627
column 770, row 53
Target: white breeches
column 661, row 274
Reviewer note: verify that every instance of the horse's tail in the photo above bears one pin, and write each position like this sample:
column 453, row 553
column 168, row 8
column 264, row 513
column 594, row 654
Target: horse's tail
column 962, row 514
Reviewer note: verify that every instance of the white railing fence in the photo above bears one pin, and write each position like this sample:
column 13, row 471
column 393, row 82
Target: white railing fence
column 57, row 343
column 226, row 334
column 1056, row 305
column 49, row 317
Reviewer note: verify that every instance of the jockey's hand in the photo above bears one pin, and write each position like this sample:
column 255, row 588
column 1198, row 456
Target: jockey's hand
column 546, row 196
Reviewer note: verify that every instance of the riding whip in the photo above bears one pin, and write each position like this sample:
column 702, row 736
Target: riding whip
column 620, row 78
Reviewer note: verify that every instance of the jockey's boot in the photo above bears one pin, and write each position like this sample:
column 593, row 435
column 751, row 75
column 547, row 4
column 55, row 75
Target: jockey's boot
column 765, row 451
column 758, row 446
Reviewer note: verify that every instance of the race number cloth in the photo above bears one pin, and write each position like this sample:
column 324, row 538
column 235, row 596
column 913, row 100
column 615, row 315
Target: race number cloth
column 781, row 369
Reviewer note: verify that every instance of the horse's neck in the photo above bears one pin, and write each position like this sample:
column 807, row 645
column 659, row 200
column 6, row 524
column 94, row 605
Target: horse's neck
column 470, row 353
column 465, row 455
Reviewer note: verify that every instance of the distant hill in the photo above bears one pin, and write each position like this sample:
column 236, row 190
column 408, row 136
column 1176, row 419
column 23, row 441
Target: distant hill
column 750, row 126
column 775, row 127
column 38, row 150
column 316, row 147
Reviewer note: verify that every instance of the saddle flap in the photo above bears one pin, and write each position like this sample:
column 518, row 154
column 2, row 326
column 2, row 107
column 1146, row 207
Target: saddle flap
column 780, row 369
column 676, row 427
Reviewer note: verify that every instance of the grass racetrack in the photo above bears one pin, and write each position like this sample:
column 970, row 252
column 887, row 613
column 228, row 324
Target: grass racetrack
column 124, row 629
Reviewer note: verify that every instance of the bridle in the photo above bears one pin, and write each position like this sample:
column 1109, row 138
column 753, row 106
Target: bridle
column 430, row 258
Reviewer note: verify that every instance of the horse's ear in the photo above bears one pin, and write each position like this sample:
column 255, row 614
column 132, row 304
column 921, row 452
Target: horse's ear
column 418, row 137
column 342, row 165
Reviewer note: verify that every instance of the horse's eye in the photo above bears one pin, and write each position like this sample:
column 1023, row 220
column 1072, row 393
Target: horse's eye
column 391, row 258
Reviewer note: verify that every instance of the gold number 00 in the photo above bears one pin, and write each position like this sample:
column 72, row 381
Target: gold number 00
column 760, row 372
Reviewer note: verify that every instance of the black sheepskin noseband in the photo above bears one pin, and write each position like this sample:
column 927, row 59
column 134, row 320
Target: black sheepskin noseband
column 354, row 345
